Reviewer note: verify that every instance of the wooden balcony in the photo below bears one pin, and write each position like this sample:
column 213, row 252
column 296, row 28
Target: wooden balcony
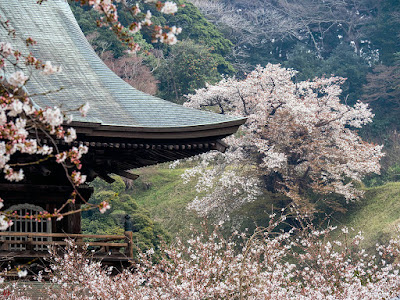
column 29, row 245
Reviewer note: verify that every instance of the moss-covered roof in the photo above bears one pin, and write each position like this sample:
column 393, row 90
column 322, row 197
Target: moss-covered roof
column 85, row 78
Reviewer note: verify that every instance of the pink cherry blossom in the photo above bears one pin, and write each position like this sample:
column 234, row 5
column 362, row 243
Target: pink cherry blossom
column 104, row 206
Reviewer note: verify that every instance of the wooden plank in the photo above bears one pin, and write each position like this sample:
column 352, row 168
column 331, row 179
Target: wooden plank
column 107, row 240
column 34, row 187
column 62, row 235
column 40, row 187
column 41, row 254
column 62, row 243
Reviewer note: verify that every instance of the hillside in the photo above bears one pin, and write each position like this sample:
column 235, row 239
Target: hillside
column 161, row 191
column 377, row 215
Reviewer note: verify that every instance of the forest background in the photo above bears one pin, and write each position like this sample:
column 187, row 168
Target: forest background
column 357, row 40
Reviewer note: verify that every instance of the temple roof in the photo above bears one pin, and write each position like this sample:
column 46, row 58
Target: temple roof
column 117, row 109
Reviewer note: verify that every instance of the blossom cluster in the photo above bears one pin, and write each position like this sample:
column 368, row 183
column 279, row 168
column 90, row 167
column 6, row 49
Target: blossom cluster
column 295, row 264
column 109, row 11
column 18, row 116
column 298, row 137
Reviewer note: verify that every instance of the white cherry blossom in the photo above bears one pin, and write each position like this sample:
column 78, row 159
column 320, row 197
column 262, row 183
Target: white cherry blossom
column 169, row 8
column 50, row 69
column 18, row 78
column 6, row 49
column 298, row 136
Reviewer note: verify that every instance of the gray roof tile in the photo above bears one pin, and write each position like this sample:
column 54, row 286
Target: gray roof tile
column 85, row 78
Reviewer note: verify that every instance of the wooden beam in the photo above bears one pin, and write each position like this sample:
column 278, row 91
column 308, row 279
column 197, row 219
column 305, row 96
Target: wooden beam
column 220, row 146
column 35, row 187
column 62, row 235
column 126, row 174
column 62, row 243
column 106, row 177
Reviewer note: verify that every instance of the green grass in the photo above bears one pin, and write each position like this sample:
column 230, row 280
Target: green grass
column 376, row 215
column 161, row 191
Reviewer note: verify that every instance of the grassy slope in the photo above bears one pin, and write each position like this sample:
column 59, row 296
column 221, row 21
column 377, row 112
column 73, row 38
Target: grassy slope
column 377, row 215
column 162, row 192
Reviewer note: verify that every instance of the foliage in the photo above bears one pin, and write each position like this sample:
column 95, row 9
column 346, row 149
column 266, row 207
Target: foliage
column 197, row 60
column 147, row 233
column 383, row 30
column 381, row 91
column 194, row 27
column 263, row 28
column 138, row 20
column 197, row 28
column 305, row 61
column 383, row 87
column 345, row 63
column 298, row 138
column 342, row 61
column 161, row 191
column 188, row 66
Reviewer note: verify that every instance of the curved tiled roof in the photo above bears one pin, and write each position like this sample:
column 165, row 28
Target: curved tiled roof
column 85, row 78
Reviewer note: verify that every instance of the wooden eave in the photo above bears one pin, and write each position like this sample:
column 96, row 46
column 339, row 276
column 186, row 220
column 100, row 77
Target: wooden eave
column 218, row 130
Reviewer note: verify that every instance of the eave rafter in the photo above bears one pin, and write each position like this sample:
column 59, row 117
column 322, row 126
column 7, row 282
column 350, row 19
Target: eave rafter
column 118, row 156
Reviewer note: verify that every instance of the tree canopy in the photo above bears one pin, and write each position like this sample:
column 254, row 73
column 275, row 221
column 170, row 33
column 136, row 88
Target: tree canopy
column 299, row 138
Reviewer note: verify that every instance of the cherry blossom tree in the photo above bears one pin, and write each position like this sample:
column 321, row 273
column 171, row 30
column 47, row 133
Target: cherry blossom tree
column 298, row 264
column 299, row 139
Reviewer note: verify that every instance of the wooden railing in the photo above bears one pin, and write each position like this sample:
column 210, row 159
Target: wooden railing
column 105, row 242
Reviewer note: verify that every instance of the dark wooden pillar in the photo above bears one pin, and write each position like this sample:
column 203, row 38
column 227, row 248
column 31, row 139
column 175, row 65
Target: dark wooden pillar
column 74, row 220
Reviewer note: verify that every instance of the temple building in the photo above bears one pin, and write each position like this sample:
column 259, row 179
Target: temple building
column 124, row 129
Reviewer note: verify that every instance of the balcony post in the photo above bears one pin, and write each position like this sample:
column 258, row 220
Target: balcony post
column 29, row 245
column 128, row 226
